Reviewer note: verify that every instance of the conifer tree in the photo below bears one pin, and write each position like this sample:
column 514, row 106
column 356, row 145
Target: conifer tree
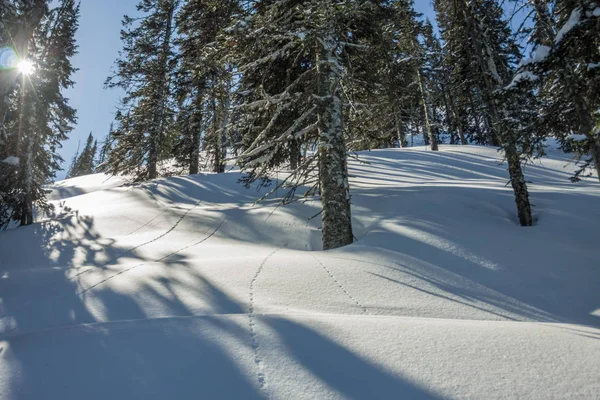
column 204, row 82
column 566, row 68
column 311, row 41
column 84, row 163
column 37, row 115
column 402, row 94
column 145, row 72
column 487, row 52
column 105, row 149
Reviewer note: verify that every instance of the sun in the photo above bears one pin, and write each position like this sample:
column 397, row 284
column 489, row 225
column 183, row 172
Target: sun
column 25, row 67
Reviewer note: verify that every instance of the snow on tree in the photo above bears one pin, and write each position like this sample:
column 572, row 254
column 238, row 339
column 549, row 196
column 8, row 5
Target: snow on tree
column 295, row 68
column 566, row 51
column 37, row 116
column 487, row 53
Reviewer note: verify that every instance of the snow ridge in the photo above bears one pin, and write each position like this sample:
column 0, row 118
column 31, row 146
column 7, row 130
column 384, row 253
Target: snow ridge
column 86, row 290
column 157, row 260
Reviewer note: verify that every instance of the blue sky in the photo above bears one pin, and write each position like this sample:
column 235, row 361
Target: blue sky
column 99, row 44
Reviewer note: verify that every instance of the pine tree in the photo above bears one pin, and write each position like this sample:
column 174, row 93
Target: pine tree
column 105, row 149
column 401, row 105
column 379, row 95
column 204, row 82
column 20, row 20
column 565, row 66
column 145, row 72
column 426, row 83
column 462, row 78
column 38, row 116
column 487, row 54
column 309, row 44
column 84, row 163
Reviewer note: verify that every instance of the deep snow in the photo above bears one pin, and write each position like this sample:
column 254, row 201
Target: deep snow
column 183, row 288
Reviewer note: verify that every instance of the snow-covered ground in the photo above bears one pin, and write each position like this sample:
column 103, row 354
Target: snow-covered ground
column 182, row 288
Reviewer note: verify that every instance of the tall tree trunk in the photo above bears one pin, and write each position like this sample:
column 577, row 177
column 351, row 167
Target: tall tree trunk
column 450, row 123
column 427, row 112
column 456, row 121
column 295, row 154
column 215, row 137
column 461, row 133
column 156, row 131
column 333, row 169
column 225, row 115
column 476, row 121
column 196, row 134
column 400, row 132
column 27, row 161
column 508, row 139
column 517, row 180
column 596, row 156
column 153, row 157
column 26, row 157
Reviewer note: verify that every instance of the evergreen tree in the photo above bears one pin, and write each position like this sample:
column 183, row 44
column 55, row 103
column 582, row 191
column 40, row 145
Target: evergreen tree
column 402, row 98
column 105, row 149
column 566, row 69
column 488, row 54
column 37, row 115
column 145, row 72
column 204, row 82
column 462, row 77
column 84, row 163
column 310, row 43
column 20, row 20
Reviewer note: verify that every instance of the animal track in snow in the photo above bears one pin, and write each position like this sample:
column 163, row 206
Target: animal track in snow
column 340, row 285
column 262, row 380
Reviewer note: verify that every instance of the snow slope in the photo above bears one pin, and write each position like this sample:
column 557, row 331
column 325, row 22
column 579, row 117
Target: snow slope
column 183, row 288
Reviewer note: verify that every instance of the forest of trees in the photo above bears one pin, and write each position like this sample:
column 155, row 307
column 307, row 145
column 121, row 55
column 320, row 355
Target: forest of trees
column 297, row 85
column 37, row 41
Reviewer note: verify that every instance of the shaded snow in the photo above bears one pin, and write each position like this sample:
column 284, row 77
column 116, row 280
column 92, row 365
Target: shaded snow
column 521, row 77
column 571, row 23
column 541, row 53
column 181, row 288
column 12, row 160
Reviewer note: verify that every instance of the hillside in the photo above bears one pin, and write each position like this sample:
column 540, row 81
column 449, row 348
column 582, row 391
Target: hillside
column 183, row 288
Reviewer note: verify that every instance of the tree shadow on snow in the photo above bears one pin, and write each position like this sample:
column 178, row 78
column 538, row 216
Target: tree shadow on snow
column 548, row 272
column 339, row 368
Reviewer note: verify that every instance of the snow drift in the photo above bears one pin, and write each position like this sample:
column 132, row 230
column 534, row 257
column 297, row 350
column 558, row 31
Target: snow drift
column 183, row 288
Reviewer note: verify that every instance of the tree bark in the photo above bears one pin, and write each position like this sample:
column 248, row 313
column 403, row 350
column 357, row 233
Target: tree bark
column 508, row 138
column 157, row 129
column 295, row 154
column 27, row 160
column 333, row 169
column 400, row 133
column 225, row 115
column 196, row 133
column 517, row 180
column 427, row 111
column 461, row 134
column 596, row 156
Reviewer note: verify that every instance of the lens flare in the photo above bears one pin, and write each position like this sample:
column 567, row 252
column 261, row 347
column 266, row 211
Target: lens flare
column 25, row 67
column 8, row 58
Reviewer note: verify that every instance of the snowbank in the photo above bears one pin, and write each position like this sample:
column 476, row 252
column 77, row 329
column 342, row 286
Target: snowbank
column 182, row 288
